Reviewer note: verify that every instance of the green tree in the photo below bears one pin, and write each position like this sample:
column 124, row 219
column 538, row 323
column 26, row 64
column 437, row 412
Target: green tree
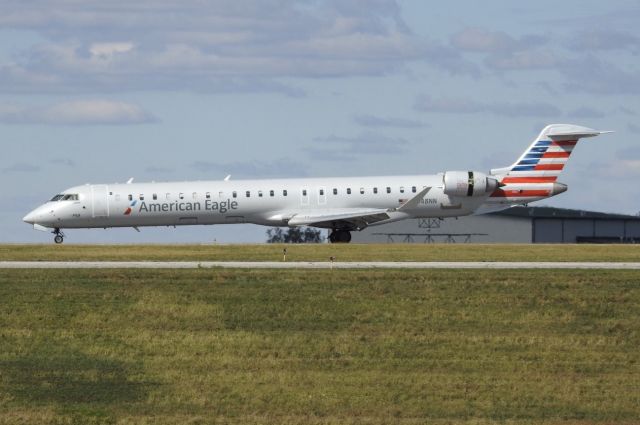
column 294, row 235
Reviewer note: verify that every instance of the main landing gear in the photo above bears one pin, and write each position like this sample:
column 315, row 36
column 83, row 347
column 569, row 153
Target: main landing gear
column 340, row 236
column 59, row 236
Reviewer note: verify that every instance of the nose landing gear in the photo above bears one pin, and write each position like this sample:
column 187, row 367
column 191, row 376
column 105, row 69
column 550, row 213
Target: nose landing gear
column 59, row 236
column 340, row 236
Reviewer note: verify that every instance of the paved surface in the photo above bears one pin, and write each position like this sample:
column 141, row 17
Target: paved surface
column 309, row 265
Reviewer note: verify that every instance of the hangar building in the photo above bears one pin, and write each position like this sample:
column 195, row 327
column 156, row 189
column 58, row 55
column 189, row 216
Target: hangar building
column 514, row 225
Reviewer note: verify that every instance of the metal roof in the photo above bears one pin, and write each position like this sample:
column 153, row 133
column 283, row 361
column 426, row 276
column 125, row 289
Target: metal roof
column 551, row 212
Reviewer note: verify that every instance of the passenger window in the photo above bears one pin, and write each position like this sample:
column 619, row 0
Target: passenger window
column 284, row 192
column 154, row 196
column 234, row 194
column 141, row 197
column 388, row 189
column 362, row 191
column 260, row 194
column 401, row 189
column 304, row 192
column 248, row 194
column 375, row 190
column 271, row 193
column 207, row 195
column 130, row 197
column 348, row 191
column 335, row 191
column 321, row 192
column 181, row 196
column 413, row 189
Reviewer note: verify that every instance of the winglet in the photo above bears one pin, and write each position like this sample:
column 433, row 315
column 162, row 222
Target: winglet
column 413, row 202
column 227, row 178
column 130, row 180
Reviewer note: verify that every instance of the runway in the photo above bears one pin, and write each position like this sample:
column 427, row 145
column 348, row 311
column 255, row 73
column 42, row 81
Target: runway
column 311, row 265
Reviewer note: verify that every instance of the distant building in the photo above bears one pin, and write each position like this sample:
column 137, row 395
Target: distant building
column 514, row 225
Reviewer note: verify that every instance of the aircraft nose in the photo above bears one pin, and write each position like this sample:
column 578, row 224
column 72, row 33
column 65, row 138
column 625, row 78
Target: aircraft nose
column 33, row 217
column 29, row 218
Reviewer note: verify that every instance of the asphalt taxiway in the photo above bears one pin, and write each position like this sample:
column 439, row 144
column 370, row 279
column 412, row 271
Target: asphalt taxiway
column 312, row 265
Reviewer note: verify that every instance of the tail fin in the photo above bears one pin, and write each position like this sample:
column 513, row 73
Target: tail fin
column 533, row 176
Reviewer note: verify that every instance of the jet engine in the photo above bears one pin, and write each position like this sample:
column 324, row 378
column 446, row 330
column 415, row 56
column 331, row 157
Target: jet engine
column 468, row 183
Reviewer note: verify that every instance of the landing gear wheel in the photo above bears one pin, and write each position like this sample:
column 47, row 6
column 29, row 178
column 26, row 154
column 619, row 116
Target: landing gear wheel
column 59, row 236
column 340, row 236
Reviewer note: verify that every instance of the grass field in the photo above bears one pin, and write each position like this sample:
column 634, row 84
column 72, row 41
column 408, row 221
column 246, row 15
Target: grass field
column 311, row 347
column 322, row 252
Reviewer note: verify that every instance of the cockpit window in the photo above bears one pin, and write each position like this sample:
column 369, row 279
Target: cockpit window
column 65, row 197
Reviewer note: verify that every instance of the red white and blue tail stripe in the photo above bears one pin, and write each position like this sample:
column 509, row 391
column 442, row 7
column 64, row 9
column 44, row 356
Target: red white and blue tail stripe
column 534, row 175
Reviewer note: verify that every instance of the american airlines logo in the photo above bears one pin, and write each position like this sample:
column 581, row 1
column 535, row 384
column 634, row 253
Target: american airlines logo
column 128, row 210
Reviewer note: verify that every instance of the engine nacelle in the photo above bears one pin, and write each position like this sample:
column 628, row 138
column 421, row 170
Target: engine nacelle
column 468, row 183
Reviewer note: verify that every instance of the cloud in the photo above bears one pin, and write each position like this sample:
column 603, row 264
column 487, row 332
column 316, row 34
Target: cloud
column 524, row 60
column 452, row 105
column 478, row 40
column 213, row 46
column 582, row 61
column 21, row 167
column 585, row 112
column 375, row 121
column 339, row 148
column 604, row 39
column 482, row 40
column 77, row 112
column 594, row 75
column 282, row 167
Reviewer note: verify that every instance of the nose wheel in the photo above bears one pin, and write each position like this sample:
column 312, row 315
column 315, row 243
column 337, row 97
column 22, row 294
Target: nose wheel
column 340, row 236
column 59, row 236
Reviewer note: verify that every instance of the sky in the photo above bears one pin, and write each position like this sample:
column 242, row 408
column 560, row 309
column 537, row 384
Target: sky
column 166, row 90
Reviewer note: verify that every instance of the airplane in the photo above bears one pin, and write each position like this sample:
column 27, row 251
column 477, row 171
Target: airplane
column 342, row 204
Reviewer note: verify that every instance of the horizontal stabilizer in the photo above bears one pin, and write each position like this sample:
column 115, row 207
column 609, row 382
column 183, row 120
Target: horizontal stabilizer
column 570, row 132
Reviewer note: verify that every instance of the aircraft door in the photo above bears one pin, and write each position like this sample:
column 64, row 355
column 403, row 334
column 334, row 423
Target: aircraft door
column 322, row 196
column 100, row 200
column 304, row 196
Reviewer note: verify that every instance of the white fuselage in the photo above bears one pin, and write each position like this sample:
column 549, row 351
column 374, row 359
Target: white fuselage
column 267, row 202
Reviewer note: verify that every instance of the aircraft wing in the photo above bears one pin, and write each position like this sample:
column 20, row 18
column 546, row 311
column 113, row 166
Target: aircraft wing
column 348, row 218
column 351, row 218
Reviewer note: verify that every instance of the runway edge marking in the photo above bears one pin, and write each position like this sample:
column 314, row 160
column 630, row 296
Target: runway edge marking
column 313, row 265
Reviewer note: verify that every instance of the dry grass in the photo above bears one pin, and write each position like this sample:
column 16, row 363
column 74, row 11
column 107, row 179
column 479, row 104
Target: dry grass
column 321, row 252
column 319, row 347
